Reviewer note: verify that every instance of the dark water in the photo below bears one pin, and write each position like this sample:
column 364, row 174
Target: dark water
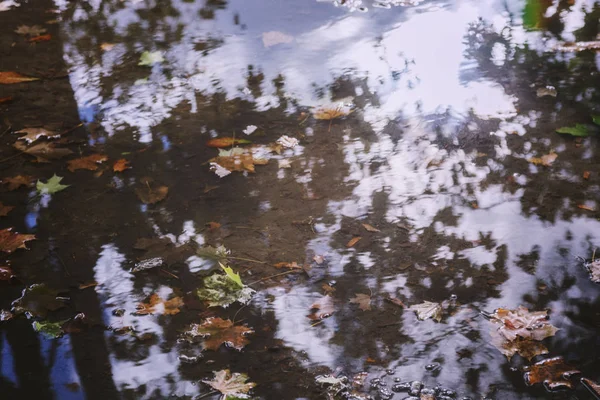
column 434, row 155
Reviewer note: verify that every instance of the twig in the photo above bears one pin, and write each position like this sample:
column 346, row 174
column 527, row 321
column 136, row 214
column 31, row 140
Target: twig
column 317, row 323
column 62, row 263
column 6, row 131
column 72, row 129
column 206, row 395
column 168, row 273
column 236, row 313
column 245, row 259
column 272, row 276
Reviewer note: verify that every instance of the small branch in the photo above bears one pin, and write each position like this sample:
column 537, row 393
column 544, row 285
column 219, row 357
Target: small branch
column 272, row 276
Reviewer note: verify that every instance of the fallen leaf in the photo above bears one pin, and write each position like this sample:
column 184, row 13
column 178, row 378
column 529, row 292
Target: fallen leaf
column 150, row 58
column 594, row 270
column 322, row 308
column 41, row 38
column 217, row 331
column 230, row 385
column 578, row 46
column 290, row 265
column 546, row 91
column 36, row 301
column 6, row 273
column 233, row 276
column 87, row 285
column 220, row 290
column 319, row 259
column 8, row 78
column 151, row 194
column 552, row 372
column 156, row 305
column 585, row 207
column 363, row 301
column 545, row 160
column 370, row 228
column 332, row 112
column 121, row 165
column 527, row 348
column 4, row 210
column 287, row 142
column 51, row 186
column 10, row 241
column 163, row 249
column 51, row 330
column 238, row 162
column 273, row 38
column 591, row 386
column 5, row 99
column 327, row 288
column 224, row 142
column 353, row 241
column 107, row 46
column 579, row 130
column 90, row 162
column 213, row 226
column 44, row 152
column 586, row 174
column 426, row 310
column 18, row 181
column 34, row 30
column 396, row 301
column 523, row 323
column 33, row 134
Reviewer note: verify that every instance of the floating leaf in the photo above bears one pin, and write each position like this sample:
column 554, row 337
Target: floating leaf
column 150, row 194
column 523, row 323
column 427, row 310
column 217, row 331
column 6, row 273
column 150, row 58
column 121, row 165
column 288, row 142
column 34, row 30
column 230, row 385
column 233, row 276
column 220, row 290
column 18, row 181
column 44, row 152
column 10, row 241
column 36, row 301
column 239, row 162
column 332, row 112
column 577, row 130
column 322, row 308
column 90, row 162
column 156, row 305
column 546, row 91
column 224, row 142
column 586, row 207
column 353, row 241
column 4, row 210
column 554, row 373
column 591, row 386
column 586, row 174
column 107, row 46
column 8, row 78
column 51, row 186
column 51, row 330
column 370, row 228
column 273, row 38
column 33, row 134
column 163, row 248
column 594, row 270
column 527, row 348
column 40, row 38
column 363, row 301
column 545, row 160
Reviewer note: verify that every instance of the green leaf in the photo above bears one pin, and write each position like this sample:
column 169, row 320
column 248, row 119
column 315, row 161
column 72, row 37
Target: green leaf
column 220, row 291
column 596, row 119
column 577, row 130
column 150, row 58
column 234, row 276
column 532, row 14
column 51, row 186
column 51, row 330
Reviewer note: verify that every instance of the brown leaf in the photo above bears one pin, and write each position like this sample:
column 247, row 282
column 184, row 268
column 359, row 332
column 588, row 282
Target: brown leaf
column 106, row 46
column 526, row 348
column 156, row 305
column 151, row 194
column 217, row 331
column 239, row 162
column 322, row 308
column 230, row 385
column 88, row 285
column 327, row 289
column 591, row 386
column 44, row 152
column 40, row 38
column 396, row 301
column 213, row 226
column 18, row 181
column 121, row 165
column 319, row 259
column 353, row 241
column 34, row 30
column 552, row 372
column 10, row 241
column 586, row 174
column 226, row 142
column 523, row 323
column 90, row 162
column 292, row 265
column 4, row 210
column 545, row 160
column 5, row 99
column 370, row 228
column 6, row 273
column 8, row 78
column 328, row 113
column 33, row 134
column 363, row 301
column 585, row 207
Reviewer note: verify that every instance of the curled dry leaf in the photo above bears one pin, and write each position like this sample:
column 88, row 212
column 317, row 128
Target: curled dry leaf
column 8, row 78
column 90, row 162
column 18, row 181
column 545, row 160
column 156, row 305
column 353, row 241
column 4, row 210
column 10, row 241
column 370, row 228
column 230, row 384
column 224, row 142
column 121, row 165
column 322, row 308
column 43, row 152
column 554, row 373
column 427, row 310
column 363, row 301
column 33, row 134
column 217, row 331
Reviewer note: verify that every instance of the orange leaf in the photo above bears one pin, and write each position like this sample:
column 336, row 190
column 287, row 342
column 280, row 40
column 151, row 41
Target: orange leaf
column 18, row 181
column 5, row 99
column 545, row 160
column 586, row 174
column 217, row 331
column 363, row 301
column 226, row 142
column 90, row 162
column 370, row 228
column 353, row 241
column 212, row 226
column 584, row 207
column 292, row 265
column 169, row 307
column 41, row 38
column 121, row 165
column 8, row 78
column 10, row 241
column 4, row 210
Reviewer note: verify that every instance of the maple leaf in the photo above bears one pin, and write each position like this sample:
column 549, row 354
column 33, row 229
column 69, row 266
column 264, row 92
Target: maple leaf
column 10, row 241
column 332, row 112
column 4, row 210
column 18, row 181
column 121, row 165
column 43, row 152
column 34, row 30
column 545, row 160
column 523, row 323
column 156, row 305
column 150, row 58
column 6, row 273
column 239, row 162
column 8, row 78
column 322, row 308
column 217, row 331
column 163, row 248
column 363, row 301
column 90, row 162
column 220, row 290
column 33, row 134
column 223, row 142
column 230, row 384
column 554, row 373
column 233, row 276
column 36, row 301
column 426, row 310
column 149, row 193
column 527, row 348
column 51, row 186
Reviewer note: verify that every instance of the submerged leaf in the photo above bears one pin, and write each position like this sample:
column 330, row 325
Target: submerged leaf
column 217, row 331
column 230, row 384
column 51, row 330
column 223, row 142
column 90, row 162
column 150, row 58
column 151, row 194
column 156, row 305
column 237, row 162
column 8, row 78
column 220, row 290
column 10, row 241
column 577, row 130
column 591, row 386
column 552, row 372
column 322, row 308
column 426, row 310
column 363, row 301
column 51, row 186
column 43, row 152
column 34, row 30
column 33, row 134
column 36, row 301
column 332, row 112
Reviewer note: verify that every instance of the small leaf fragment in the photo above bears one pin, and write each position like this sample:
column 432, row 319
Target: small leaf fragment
column 156, row 305
column 370, row 228
column 89, row 162
column 44, row 152
column 4, row 210
column 34, row 30
column 52, row 330
column 545, row 160
column 10, row 241
column 33, row 134
column 427, row 310
column 8, row 78
column 363, row 301
column 353, row 241
column 150, row 58
column 40, row 38
column 322, row 308
column 18, row 181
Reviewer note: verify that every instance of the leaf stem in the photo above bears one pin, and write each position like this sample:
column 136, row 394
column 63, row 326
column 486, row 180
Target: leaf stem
column 245, row 259
column 272, row 276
